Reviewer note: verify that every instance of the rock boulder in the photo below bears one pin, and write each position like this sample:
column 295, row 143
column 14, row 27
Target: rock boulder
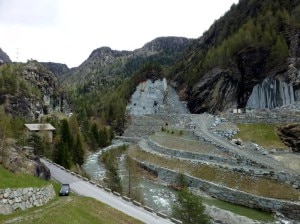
column 290, row 135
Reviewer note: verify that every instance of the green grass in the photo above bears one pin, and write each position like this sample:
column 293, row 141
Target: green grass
column 72, row 209
column 12, row 180
column 240, row 210
column 181, row 143
column 264, row 135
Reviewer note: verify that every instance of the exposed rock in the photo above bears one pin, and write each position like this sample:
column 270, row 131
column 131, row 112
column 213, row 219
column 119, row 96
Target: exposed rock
column 290, row 135
column 216, row 91
column 271, row 93
column 33, row 106
column 57, row 69
column 4, row 57
column 21, row 159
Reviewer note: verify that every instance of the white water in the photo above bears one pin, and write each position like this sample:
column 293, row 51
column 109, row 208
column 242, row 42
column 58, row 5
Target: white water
column 156, row 196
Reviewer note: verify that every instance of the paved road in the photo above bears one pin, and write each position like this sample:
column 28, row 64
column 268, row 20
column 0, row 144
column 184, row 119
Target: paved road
column 85, row 188
column 202, row 121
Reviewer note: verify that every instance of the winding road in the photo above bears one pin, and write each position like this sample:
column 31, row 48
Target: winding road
column 201, row 122
column 85, row 188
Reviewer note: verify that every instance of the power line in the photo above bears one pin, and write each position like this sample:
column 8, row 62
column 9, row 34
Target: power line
column 17, row 54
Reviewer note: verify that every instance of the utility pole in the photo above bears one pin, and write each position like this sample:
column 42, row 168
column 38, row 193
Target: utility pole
column 17, row 58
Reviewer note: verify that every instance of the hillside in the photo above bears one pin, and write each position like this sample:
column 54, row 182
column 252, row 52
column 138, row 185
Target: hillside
column 30, row 90
column 102, row 85
column 57, row 69
column 105, row 64
column 253, row 41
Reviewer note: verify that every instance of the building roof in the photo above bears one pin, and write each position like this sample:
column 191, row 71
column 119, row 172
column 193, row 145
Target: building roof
column 40, row 127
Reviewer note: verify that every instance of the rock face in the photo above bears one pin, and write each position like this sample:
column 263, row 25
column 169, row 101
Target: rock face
column 19, row 159
column 271, row 93
column 4, row 57
column 49, row 99
column 290, row 135
column 56, row 68
column 217, row 91
column 148, row 97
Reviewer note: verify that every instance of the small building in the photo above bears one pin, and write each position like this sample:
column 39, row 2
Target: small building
column 43, row 130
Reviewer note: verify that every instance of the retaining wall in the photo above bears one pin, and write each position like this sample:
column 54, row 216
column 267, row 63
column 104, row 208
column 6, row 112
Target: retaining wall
column 268, row 118
column 23, row 198
column 288, row 208
column 293, row 180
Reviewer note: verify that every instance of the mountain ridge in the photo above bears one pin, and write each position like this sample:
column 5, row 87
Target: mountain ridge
column 107, row 62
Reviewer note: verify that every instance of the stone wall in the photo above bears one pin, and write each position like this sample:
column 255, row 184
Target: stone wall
column 293, row 180
column 288, row 208
column 267, row 117
column 23, row 198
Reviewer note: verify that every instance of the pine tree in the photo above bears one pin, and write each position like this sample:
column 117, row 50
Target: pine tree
column 280, row 50
column 78, row 155
column 95, row 134
column 190, row 209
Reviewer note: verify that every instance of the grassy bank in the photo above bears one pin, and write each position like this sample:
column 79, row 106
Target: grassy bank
column 240, row 210
column 12, row 180
column 181, row 143
column 258, row 186
column 73, row 209
column 262, row 134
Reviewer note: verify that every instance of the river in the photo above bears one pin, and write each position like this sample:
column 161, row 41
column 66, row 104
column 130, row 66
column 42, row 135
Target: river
column 156, row 196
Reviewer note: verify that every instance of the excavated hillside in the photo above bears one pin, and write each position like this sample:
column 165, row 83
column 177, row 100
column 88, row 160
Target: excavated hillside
column 169, row 136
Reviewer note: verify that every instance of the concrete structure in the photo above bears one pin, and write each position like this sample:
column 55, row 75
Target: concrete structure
column 43, row 130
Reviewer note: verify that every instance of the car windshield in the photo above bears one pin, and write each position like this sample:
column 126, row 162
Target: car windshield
column 65, row 188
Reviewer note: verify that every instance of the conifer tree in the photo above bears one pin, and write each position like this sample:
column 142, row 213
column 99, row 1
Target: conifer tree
column 190, row 209
column 78, row 155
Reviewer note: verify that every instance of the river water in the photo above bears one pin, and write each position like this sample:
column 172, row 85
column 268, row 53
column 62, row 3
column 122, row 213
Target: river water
column 155, row 195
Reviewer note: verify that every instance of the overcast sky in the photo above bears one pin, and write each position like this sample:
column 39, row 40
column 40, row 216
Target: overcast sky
column 67, row 31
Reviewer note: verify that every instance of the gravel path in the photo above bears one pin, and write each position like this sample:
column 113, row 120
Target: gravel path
column 203, row 121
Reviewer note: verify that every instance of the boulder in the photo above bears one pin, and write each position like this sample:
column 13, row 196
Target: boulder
column 290, row 135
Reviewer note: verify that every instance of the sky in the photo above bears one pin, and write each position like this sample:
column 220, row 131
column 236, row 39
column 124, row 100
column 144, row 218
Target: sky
column 67, row 31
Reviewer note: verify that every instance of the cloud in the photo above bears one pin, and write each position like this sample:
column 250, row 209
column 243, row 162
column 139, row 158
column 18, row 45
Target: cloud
column 67, row 31
column 31, row 13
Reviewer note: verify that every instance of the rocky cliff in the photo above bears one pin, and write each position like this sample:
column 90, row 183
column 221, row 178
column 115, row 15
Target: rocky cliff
column 57, row 69
column 4, row 57
column 34, row 91
column 271, row 93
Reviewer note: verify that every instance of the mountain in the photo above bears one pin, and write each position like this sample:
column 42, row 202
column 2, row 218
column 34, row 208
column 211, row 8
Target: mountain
column 57, row 69
column 254, row 46
column 105, row 64
column 4, row 57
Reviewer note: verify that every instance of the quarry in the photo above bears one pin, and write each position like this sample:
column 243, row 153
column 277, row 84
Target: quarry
column 169, row 140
